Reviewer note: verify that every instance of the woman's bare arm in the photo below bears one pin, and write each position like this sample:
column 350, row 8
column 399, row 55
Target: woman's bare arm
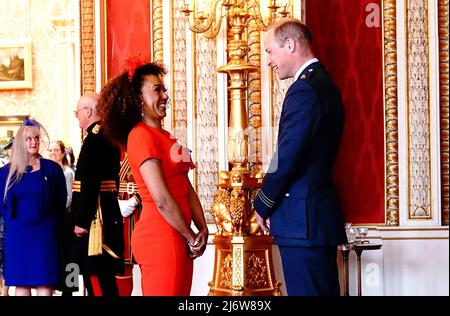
column 169, row 209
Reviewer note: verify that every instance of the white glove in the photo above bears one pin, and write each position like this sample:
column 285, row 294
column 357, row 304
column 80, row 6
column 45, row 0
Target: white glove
column 127, row 207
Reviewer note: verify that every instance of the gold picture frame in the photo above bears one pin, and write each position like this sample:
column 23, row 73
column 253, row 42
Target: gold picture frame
column 15, row 65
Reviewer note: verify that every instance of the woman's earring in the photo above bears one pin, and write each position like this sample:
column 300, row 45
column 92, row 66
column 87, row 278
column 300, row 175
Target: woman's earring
column 142, row 108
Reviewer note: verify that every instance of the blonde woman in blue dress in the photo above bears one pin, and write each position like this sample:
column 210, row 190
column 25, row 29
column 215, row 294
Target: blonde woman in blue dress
column 33, row 193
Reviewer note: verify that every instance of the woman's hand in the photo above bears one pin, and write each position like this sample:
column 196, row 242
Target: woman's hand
column 197, row 248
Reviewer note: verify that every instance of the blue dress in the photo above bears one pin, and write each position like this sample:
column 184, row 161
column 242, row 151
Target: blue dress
column 32, row 221
column 2, row 243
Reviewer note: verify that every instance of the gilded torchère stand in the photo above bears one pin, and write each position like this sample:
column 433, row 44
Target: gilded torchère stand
column 243, row 254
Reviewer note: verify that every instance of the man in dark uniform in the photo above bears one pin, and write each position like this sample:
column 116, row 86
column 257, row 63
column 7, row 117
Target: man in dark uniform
column 130, row 206
column 97, row 179
column 297, row 200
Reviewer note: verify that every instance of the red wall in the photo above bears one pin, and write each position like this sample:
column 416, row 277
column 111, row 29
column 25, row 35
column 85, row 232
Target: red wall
column 128, row 32
column 352, row 53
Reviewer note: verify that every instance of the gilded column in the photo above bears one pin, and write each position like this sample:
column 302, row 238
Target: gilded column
column 443, row 10
column 391, row 111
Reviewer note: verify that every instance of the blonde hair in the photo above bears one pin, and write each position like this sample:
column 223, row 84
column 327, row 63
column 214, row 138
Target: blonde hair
column 19, row 158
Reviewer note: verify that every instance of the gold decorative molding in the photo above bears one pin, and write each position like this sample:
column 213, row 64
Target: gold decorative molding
column 238, row 271
column 391, row 111
column 256, row 272
column 226, row 272
column 87, row 47
column 245, row 267
column 254, row 94
column 418, row 111
column 443, row 24
column 157, row 30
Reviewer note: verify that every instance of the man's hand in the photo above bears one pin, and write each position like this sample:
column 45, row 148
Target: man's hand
column 79, row 231
column 127, row 207
column 264, row 224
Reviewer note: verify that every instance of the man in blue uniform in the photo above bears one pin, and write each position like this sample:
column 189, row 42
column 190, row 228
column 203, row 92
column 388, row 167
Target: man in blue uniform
column 297, row 200
column 96, row 180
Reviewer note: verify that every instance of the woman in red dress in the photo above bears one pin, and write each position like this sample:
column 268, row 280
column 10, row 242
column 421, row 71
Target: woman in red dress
column 163, row 243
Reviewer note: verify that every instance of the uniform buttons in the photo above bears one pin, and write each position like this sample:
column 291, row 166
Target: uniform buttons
column 287, row 194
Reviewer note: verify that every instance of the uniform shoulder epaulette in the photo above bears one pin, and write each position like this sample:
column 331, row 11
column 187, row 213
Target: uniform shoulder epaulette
column 96, row 129
column 310, row 72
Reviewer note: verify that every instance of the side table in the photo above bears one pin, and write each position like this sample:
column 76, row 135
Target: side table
column 358, row 247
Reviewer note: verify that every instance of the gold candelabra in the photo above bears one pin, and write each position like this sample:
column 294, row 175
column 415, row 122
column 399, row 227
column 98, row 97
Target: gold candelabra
column 243, row 253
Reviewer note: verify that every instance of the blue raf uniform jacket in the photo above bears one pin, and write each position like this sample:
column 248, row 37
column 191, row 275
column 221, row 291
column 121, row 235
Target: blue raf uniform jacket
column 297, row 192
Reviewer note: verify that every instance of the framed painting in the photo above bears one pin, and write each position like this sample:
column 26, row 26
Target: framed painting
column 15, row 65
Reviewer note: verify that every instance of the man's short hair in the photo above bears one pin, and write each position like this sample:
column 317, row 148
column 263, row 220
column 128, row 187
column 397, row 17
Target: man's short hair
column 291, row 28
column 90, row 99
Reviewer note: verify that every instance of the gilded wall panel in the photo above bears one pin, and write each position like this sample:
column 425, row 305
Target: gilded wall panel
column 206, row 122
column 419, row 160
column 179, row 101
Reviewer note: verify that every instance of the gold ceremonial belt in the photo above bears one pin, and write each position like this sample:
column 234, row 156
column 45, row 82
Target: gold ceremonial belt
column 105, row 186
column 128, row 187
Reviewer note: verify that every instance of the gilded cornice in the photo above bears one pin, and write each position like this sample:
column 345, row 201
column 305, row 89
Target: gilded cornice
column 443, row 24
column 391, row 111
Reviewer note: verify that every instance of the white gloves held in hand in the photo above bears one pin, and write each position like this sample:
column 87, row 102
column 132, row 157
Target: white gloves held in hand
column 127, row 207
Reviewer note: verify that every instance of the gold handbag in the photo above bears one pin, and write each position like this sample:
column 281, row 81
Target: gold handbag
column 96, row 233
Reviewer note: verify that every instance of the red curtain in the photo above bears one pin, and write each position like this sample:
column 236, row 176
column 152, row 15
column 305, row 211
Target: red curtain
column 128, row 32
column 352, row 53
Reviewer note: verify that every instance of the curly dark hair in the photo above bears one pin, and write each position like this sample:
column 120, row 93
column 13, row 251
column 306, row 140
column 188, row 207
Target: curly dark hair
column 120, row 105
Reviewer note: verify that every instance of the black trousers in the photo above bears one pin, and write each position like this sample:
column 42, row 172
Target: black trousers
column 104, row 267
